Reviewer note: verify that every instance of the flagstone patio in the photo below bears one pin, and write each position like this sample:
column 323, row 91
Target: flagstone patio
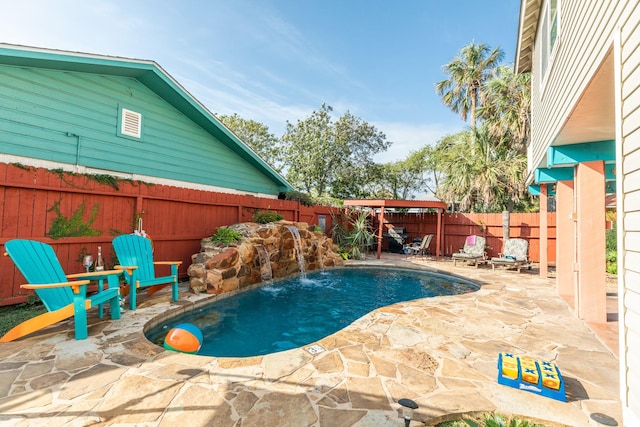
column 441, row 352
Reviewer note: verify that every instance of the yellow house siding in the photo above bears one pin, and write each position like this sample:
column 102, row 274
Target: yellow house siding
column 587, row 33
column 584, row 38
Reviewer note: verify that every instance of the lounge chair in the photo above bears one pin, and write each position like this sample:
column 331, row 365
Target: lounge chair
column 473, row 251
column 419, row 248
column 62, row 298
column 135, row 256
column 515, row 255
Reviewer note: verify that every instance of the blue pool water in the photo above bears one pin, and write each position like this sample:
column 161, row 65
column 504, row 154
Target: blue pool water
column 295, row 312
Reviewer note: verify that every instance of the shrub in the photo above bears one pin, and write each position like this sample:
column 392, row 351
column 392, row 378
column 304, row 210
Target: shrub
column 491, row 420
column 612, row 262
column 298, row 196
column 226, row 235
column 360, row 236
column 266, row 216
column 352, row 233
column 339, row 230
column 611, row 238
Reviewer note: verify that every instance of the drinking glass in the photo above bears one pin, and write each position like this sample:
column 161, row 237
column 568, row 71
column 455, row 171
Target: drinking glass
column 87, row 262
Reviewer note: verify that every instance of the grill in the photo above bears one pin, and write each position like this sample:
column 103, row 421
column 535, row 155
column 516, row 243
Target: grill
column 395, row 239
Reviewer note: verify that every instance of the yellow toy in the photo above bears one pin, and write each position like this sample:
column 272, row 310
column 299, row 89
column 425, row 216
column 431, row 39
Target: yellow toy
column 532, row 375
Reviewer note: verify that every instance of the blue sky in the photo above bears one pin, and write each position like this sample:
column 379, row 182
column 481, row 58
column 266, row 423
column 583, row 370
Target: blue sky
column 277, row 61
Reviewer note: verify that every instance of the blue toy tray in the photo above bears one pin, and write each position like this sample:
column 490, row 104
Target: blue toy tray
column 534, row 376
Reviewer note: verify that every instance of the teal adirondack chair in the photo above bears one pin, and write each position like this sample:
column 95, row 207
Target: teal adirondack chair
column 135, row 256
column 39, row 264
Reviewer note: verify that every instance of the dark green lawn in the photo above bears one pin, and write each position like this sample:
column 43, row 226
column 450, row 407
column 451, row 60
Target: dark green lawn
column 12, row 315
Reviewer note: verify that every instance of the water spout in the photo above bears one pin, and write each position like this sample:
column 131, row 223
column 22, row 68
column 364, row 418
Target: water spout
column 319, row 254
column 265, row 264
column 298, row 245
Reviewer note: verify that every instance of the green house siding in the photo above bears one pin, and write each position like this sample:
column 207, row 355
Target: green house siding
column 72, row 117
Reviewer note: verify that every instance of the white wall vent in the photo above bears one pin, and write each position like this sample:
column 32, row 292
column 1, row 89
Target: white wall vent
column 131, row 123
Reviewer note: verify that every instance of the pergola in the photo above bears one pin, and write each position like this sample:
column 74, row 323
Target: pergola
column 406, row 204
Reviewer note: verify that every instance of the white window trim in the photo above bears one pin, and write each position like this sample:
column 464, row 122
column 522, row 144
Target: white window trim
column 544, row 74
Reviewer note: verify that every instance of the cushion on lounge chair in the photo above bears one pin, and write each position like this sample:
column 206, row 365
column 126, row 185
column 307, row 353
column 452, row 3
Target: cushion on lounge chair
column 515, row 254
column 471, row 252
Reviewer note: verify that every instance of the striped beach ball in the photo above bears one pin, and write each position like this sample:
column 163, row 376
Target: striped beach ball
column 185, row 338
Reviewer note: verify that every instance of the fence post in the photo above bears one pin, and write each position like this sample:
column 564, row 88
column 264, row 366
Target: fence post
column 506, row 222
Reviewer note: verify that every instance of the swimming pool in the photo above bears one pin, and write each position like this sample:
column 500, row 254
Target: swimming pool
column 295, row 312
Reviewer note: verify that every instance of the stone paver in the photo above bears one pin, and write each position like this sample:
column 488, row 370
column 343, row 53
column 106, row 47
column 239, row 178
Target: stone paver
column 441, row 352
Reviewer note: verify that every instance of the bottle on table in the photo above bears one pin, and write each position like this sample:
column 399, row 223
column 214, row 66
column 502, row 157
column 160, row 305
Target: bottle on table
column 99, row 262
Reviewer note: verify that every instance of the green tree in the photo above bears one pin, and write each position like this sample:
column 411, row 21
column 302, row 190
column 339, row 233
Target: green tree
column 405, row 178
column 490, row 181
column 431, row 161
column 355, row 182
column 257, row 136
column 321, row 153
column 399, row 181
column 483, row 169
column 507, row 107
column 468, row 72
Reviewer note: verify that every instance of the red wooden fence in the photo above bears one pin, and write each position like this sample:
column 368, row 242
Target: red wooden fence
column 457, row 226
column 177, row 219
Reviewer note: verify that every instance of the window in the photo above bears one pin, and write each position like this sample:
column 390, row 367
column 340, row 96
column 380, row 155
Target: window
column 130, row 123
column 322, row 223
column 548, row 36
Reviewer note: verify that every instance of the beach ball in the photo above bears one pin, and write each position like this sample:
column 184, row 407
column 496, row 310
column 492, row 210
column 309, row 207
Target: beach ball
column 185, row 338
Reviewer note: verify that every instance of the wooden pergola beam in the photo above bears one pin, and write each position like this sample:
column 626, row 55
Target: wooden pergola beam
column 406, row 204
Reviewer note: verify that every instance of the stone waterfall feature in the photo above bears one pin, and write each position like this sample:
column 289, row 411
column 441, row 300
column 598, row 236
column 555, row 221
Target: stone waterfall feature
column 224, row 268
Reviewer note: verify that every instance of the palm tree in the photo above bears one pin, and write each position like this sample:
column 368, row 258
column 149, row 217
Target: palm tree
column 507, row 107
column 468, row 72
column 457, row 170
column 491, row 180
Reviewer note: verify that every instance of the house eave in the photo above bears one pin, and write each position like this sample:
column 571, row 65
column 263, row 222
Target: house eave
column 527, row 28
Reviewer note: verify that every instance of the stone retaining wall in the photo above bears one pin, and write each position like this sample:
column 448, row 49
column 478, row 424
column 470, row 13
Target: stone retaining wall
column 224, row 268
